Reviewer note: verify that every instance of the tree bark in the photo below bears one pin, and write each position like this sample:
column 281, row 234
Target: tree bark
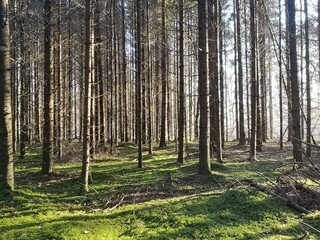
column 253, row 134
column 138, row 91
column 242, row 136
column 48, row 125
column 295, row 94
column 181, row 119
column 163, row 76
column 87, row 102
column 23, row 91
column 204, row 153
column 280, row 78
column 308, row 80
column 6, row 151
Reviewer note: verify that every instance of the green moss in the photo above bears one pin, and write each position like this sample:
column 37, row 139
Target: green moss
column 161, row 201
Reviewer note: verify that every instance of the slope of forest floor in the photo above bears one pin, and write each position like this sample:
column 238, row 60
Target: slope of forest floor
column 163, row 200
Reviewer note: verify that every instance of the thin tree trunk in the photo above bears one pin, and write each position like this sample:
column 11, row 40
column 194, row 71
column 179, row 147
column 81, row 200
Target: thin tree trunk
column 262, row 40
column 163, row 76
column 308, row 80
column 48, row 125
column 236, row 95
column 143, row 75
column 280, row 78
column 149, row 86
column 157, row 89
column 23, row 92
column 87, row 103
column 124, row 73
column 270, row 100
column 221, row 77
column 247, row 69
column 14, row 76
column 253, row 134
column 138, row 91
column 59, row 85
column 242, row 136
column 181, row 119
column 289, row 94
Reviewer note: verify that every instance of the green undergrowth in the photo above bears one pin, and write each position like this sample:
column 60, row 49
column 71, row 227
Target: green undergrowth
column 163, row 200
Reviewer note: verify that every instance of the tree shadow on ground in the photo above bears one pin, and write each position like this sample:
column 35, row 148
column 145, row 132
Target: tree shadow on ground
column 217, row 217
column 235, row 214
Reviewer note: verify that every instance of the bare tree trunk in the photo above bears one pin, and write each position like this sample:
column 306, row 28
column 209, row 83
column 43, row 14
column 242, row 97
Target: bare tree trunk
column 124, row 73
column 138, row 91
column 143, row 75
column 288, row 90
column 242, row 136
column 87, row 103
column 149, row 83
column 163, row 76
column 48, row 125
column 236, row 95
column 308, row 80
column 13, row 26
column 59, row 87
column 204, row 152
column 253, row 134
column 6, row 151
column 297, row 154
column 23, row 91
column 247, row 68
column 280, row 78
column 157, row 83
column 270, row 100
column 100, row 81
column 263, row 75
column 260, row 78
column 181, row 119
column 221, row 76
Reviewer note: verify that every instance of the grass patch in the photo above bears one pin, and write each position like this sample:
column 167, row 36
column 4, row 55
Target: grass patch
column 164, row 200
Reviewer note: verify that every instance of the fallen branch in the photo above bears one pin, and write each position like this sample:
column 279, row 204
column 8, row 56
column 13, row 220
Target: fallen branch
column 285, row 200
column 117, row 205
column 306, row 224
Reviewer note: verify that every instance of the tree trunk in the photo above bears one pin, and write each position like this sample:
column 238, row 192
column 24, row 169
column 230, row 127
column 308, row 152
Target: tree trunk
column 242, row 136
column 6, row 151
column 288, row 90
column 280, row 78
column 295, row 94
column 221, row 76
column 204, row 153
column 59, row 104
column 308, row 80
column 48, row 125
column 138, row 90
column 124, row 73
column 270, row 100
column 163, row 76
column 236, row 95
column 23, row 91
column 181, row 119
column 87, row 102
column 253, row 134
column 263, row 87
column 149, row 82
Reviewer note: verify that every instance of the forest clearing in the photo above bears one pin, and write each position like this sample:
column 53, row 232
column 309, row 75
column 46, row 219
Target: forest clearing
column 163, row 200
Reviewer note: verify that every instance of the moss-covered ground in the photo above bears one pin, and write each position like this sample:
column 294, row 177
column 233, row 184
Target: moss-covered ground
column 163, row 200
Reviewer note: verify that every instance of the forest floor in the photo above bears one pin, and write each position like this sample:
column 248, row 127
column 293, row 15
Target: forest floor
column 163, row 200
